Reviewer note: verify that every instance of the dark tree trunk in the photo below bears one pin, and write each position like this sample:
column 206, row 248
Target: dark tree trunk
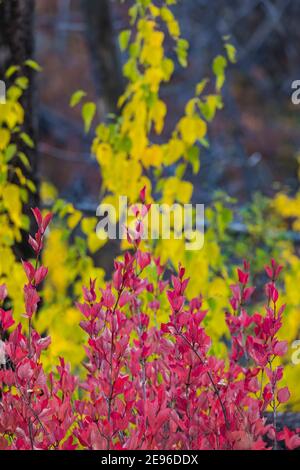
column 104, row 53
column 16, row 46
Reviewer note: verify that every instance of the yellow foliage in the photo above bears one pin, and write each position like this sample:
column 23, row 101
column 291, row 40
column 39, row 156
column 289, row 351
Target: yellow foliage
column 153, row 156
column 130, row 156
column 192, row 129
column 12, row 202
column 157, row 114
column 4, row 138
column 289, row 208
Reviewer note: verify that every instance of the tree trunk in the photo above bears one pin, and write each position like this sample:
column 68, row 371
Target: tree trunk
column 104, row 53
column 16, row 46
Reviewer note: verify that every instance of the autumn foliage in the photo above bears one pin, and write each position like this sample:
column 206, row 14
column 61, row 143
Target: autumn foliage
column 145, row 387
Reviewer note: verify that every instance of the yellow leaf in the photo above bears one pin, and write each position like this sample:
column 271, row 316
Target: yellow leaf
column 48, row 192
column 153, row 156
column 95, row 243
column 104, row 154
column 74, row 219
column 158, row 113
column 173, row 151
column 154, row 76
column 12, row 202
column 156, row 39
column 192, row 129
column 185, row 191
column 88, row 225
column 4, row 138
column 14, row 114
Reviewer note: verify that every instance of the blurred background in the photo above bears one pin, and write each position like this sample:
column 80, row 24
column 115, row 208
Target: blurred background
column 255, row 139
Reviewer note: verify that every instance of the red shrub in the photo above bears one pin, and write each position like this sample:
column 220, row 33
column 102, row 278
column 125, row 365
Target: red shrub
column 145, row 387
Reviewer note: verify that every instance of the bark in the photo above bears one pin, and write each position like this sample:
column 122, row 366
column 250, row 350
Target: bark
column 104, row 53
column 16, row 46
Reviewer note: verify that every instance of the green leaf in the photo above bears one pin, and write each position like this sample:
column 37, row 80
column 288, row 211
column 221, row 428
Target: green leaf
column 10, row 152
column 14, row 93
column 33, row 65
column 27, row 140
column 124, row 38
column 24, row 160
column 180, row 170
column 11, row 70
column 193, row 158
column 22, row 82
column 88, row 113
column 80, row 245
column 204, row 142
column 200, row 86
column 25, row 221
column 209, row 106
column 134, row 50
column 231, row 52
column 130, row 69
column 77, row 97
column 23, row 195
column 31, row 186
column 181, row 50
column 133, row 13
column 219, row 65
column 58, row 205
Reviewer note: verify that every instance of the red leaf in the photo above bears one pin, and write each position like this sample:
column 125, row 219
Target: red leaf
column 38, row 216
column 3, row 292
column 283, row 395
column 281, row 348
column 29, row 270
